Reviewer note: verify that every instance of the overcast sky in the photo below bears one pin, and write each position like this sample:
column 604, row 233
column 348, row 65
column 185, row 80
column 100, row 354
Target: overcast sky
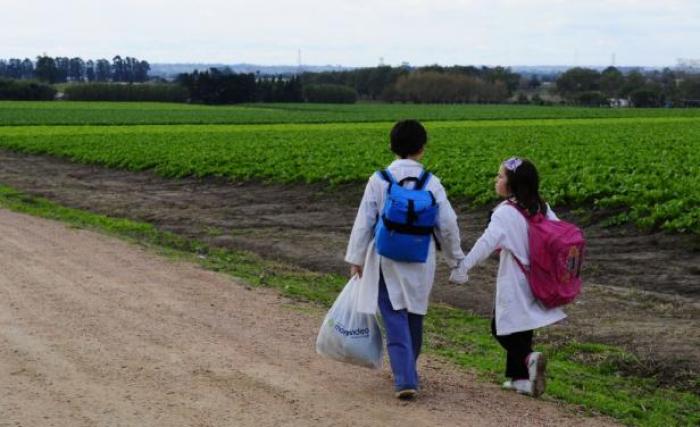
column 357, row 32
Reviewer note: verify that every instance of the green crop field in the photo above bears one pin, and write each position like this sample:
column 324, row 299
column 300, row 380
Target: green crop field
column 124, row 113
column 643, row 167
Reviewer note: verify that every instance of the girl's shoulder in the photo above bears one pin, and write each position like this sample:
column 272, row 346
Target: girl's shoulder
column 505, row 213
column 505, row 208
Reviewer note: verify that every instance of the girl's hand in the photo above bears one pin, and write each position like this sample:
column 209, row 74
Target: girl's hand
column 356, row 269
column 459, row 275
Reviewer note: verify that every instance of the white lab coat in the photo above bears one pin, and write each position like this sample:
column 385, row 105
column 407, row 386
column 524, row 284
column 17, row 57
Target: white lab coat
column 516, row 309
column 408, row 284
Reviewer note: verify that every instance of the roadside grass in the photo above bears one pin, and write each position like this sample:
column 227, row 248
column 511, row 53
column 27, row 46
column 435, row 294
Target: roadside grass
column 582, row 374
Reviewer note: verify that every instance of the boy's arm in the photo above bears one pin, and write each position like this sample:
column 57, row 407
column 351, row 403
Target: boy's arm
column 447, row 230
column 363, row 229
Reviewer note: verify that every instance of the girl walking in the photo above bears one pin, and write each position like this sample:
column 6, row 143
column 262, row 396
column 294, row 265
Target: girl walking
column 517, row 312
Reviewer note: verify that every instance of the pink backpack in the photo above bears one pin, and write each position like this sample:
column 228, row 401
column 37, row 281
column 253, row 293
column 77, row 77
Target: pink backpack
column 556, row 253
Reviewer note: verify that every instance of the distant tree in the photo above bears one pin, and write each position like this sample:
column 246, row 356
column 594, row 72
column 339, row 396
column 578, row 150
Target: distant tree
column 611, row 81
column 76, row 69
column 118, row 69
column 592, row 98
column 3, row 68
column 46, row 70
column 294, row 90
column 27, row 68
column 577, row 80
column 468, row 70
column 219, row 86
column 90, row 70
column 103, row 70
column 668, row 82
column 435, row 87
column 509, row 79
column 633, row 81
column 689, row 90
column 25, row 90
column 141, row 71
column 646, row 97
column 379, row 78
column 14, row 68
column 63, row 69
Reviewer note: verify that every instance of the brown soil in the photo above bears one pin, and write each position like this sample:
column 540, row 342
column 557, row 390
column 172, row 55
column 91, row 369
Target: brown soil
column 97, row 332
column 642, row 289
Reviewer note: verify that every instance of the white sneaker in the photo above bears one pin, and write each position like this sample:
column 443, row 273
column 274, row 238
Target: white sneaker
column 536, row 367
column 522, row 386
column 508, row 385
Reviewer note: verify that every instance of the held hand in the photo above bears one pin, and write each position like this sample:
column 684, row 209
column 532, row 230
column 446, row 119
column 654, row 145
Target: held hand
column 356, row 269
column 459, row 275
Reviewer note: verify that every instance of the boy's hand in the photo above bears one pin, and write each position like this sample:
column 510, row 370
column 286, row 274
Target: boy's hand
column 356, row 269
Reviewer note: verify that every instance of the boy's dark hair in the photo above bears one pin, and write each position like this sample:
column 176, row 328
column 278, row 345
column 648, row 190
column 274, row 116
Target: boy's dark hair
column 524, row 184
column 407, row 138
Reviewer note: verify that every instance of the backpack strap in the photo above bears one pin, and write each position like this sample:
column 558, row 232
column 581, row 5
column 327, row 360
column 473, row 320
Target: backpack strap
column 387, row 176
column 422, row 180
column 527, row 219
column 525, row 271
column 420, row 183
column 408, row 178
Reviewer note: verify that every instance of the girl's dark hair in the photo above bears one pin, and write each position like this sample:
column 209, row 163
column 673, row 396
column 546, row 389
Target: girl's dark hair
column 407, row 138
column 524, row 185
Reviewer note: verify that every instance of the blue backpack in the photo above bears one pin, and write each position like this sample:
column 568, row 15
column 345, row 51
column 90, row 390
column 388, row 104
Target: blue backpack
column 406, row 226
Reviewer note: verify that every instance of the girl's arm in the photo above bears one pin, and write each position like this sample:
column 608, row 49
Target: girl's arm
column 491, row 240
column 363, row 229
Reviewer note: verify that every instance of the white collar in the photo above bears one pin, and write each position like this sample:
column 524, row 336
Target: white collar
column 401, row 163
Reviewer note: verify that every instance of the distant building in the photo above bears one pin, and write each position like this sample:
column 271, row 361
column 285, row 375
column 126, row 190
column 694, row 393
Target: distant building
column 619, row 102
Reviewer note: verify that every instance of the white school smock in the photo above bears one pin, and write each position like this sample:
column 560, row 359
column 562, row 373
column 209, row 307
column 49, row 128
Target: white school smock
column 408, row 283
column 516, row 309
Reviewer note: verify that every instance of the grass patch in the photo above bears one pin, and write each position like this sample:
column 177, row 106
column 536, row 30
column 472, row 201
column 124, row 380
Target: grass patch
column 583, row 374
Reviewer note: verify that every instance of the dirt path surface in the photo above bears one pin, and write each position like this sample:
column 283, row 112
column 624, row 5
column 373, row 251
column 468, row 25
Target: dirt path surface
column 642, row 290
column 97, row 332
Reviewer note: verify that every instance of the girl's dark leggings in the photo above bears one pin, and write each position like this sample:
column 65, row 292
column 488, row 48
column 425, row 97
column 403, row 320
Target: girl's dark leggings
column 518, row 346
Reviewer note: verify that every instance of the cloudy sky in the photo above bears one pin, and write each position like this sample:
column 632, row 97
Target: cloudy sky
column 357, row 32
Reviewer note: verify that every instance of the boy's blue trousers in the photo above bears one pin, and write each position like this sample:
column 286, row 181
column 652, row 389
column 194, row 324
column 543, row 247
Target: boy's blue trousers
column 404, row 337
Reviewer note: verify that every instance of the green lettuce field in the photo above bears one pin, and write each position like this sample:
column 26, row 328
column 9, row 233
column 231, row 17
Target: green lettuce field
column 641, row 169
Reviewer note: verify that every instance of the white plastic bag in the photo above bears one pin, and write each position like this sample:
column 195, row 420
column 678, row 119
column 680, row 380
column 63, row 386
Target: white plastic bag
column 349, row 336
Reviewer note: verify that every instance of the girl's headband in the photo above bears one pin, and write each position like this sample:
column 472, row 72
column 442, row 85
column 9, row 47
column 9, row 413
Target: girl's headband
column 512, row 163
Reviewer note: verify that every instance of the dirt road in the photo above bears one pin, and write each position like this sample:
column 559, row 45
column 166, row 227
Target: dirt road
column 97, row 332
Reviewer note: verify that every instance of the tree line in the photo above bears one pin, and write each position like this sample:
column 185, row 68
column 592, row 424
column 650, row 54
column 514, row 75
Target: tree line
column 432, row 83
column 585, row 86
column 63, row 69
column 429, row 84
column 223, row 86
column 391, row 84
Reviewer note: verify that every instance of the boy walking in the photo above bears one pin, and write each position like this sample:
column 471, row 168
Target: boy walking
column 400, row 289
